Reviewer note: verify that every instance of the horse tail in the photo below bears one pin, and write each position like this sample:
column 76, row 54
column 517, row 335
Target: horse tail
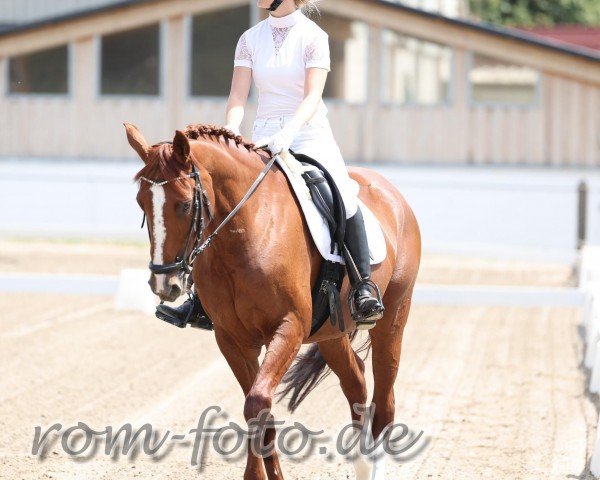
column 308, row 371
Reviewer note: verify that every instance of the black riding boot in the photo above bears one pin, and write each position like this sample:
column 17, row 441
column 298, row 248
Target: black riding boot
column 188, row 313
column 368, row 307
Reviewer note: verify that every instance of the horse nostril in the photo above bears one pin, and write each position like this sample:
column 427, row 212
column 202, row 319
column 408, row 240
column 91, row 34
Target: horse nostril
column 175, row 291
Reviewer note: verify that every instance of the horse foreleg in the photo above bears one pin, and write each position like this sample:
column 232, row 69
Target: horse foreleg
column 281, row 352
column 244, row 365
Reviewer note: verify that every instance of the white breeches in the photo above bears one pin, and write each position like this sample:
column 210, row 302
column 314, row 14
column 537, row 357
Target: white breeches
column 316, row 140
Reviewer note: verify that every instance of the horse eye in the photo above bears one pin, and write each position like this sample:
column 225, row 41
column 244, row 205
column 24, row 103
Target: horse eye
column 185, row 208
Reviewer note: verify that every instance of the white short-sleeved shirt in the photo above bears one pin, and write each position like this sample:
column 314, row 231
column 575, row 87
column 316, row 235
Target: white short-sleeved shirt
column 279, row 50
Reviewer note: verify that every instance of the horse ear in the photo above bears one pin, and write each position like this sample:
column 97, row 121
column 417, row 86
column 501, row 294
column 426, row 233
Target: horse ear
column 137, row 141
column 181, row 145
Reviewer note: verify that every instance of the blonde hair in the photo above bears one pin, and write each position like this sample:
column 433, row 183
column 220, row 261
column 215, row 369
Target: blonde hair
column 309, row 6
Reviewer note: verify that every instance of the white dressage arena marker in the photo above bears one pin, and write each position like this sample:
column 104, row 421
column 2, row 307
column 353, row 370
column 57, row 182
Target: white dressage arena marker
column 589, row 284
column 134, row 294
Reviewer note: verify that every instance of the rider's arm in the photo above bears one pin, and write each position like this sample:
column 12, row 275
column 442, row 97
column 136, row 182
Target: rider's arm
column 238, row 97
column 314, row 85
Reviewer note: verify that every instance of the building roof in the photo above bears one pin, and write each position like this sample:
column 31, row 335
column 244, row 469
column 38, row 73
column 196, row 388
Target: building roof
column 510, row 33
column 588, row 37
column 6, row 30
column 496, row 30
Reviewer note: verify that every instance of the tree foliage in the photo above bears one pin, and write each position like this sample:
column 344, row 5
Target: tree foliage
column 528, row 13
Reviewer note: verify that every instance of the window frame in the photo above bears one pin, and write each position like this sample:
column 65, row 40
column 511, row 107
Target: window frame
column 188, row 50
column 472, row 103
column 163, row 39
column 371, row 34
column 391, row 104
column 39, row 95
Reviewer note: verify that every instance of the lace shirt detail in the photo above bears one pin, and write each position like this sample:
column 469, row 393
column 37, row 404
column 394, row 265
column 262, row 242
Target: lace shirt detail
column 242, row 52
column 316, row 52
column 279, row 36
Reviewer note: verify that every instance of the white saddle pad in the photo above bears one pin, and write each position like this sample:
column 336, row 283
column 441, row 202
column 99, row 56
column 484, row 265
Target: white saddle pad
column 316, row 223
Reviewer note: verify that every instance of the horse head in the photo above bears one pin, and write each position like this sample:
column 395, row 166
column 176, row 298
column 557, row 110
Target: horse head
column 171, row 201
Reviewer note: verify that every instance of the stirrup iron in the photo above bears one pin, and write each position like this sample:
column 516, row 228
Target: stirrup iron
column 365, row 320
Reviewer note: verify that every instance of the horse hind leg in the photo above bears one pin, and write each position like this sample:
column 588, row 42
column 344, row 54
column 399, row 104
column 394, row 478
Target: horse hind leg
column 386, row 342
column 349, row 368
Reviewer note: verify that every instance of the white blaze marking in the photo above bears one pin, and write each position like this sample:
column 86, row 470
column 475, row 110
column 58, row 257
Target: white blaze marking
column 159, row 232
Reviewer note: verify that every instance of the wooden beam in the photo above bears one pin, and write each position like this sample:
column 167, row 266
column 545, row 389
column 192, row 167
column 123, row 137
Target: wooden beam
column 107, row 22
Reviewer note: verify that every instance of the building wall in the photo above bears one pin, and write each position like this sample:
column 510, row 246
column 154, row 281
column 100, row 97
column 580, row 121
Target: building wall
column 561, row 128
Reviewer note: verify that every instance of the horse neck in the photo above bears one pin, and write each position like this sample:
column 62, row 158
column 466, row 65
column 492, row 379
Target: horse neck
column 256, row 234
column 231, row 171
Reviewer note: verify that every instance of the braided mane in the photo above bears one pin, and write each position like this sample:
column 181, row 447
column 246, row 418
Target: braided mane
column 193, row 132
column 163, row 165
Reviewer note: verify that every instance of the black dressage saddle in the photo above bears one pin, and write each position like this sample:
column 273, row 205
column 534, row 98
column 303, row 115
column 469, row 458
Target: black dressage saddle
column 328, row 200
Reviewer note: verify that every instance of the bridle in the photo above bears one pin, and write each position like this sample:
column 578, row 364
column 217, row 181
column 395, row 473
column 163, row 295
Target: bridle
column 185, row 259
column 191, row 249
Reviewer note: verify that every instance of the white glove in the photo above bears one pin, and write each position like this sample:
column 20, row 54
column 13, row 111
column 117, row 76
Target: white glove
column 235, row 129
column 280, row 142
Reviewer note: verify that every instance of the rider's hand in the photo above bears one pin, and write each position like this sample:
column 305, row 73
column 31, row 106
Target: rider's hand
column 280, row 142
column 234, row 128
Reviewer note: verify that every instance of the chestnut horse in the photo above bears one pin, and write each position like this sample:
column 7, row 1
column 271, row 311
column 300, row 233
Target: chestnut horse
column 256, row 278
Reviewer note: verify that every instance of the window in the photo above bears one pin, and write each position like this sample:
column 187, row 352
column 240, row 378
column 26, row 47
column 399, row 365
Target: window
column 497, row 81
column 415, row 71
column 44, row 72
column 214, row 38
column 348, row 45
column 131, row 62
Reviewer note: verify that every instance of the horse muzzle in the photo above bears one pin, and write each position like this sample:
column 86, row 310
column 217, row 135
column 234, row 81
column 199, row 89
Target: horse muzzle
column 168, row 287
